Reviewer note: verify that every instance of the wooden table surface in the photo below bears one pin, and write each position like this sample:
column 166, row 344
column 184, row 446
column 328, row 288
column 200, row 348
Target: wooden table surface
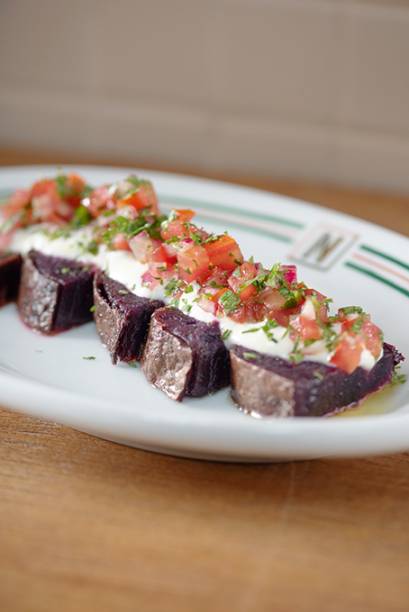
column 90, row 525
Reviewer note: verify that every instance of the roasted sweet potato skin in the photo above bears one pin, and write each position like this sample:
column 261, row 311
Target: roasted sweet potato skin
column 263, row 385
column 55, row 293
column 122, row 318
column 184, row 356
column 10, row 271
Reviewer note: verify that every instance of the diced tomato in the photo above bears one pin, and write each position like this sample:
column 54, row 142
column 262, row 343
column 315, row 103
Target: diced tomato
column 251, row 312
column 161, row 254
column 16, row 203
column 239, row 281
column 208, row 299
column 271, row 298
column 224, row 252
column 193, row 264
column 100, row 200
column 141, row 198
column 347, row 354
column 372, row 336
column 143, row 246
column 121, row 243
column 308, row 329
column 184, row 214
column 175, row 229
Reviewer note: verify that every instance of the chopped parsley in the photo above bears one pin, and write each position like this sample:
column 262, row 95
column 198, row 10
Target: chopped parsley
column 267, row 328
column 90, row 358
column 62, row 187
column 171, row 286
column 296, row 355
column 398, row 378
column 249, row 356
column 226, row 334
column 230, row 301
column 348, row 310
column 81, row 217
column 132, row 227
column 93, row 308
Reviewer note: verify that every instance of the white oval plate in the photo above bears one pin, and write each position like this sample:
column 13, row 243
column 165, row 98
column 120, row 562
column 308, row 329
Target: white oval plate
column 351, row 260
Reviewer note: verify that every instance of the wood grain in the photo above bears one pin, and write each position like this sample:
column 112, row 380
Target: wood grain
column 90, row 525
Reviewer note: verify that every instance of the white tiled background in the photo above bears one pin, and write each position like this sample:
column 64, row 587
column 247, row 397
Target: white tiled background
column 315, row 89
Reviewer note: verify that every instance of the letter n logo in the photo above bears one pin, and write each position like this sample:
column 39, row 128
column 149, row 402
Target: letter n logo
column 322, row 246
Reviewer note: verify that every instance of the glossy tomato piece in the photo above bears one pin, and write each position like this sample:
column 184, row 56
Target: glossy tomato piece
column 372, row 337
column 224, row 253
column 250, row 312
column 347, row 354
column 240, row 281
column 184, row 214
column 100, row 200
column 175, row 230
column 142, row 197
column 143, row 246
column 121, row 243
column 308, row 329
column 161, row 254
column 193, row 264
column 17, row 205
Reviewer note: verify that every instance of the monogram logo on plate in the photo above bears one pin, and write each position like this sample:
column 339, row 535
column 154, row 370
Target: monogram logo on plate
column 322, row 246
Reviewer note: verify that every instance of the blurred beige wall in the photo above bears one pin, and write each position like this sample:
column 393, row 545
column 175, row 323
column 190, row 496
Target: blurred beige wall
column 315, row 89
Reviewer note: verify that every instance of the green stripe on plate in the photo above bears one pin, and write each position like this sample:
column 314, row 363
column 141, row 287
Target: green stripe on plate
column 398, row 262
column 378, row 277
column 246, row 228
column 182, row 201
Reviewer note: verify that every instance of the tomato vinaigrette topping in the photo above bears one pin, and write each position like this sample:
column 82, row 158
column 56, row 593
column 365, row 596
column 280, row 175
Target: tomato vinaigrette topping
column 184, row 259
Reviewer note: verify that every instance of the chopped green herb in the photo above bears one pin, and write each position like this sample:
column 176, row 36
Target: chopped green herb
column 171, row 286
column 230, row 301
column 133, row 364
column 93, row 308
column 268, row 329
column 62, row 187
column 330, row 337
column 249, row 356
column 397, row 377
column 347, row 310
column 90, row 358
column 226, row 334
column 319, row 375
column 188, row 289
column 81, row 217
column 123, row 291
column 251, row 330
column 296, row 355
column 65, row 270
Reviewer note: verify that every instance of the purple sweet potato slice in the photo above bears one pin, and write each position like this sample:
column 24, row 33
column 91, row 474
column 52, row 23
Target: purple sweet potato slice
column 55, row 293
column 122, row 318
column 10, row 270
column 184, row 356
column 263, row 385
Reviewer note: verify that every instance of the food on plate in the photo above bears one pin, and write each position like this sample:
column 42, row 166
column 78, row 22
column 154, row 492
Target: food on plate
column 290, row 355
column 10, row 268
column 122, row 318
column 263, row 385
column 55, row 293
column 184, row 357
